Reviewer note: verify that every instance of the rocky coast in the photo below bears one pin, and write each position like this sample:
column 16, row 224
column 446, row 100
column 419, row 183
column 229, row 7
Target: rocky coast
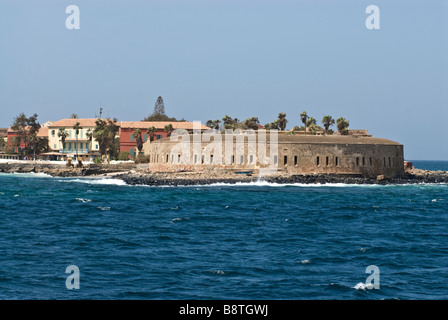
column 134, row 174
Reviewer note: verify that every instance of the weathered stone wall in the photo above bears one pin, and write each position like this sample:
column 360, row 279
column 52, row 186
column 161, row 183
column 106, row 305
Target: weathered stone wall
column 365, row 156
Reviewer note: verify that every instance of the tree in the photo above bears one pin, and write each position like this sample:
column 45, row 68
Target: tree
column 159, row 113
column 304, row 118
column 105, row 132
column 62, row 134
column 89, row 135
column 2, row 144
column 214, row 124
column 159, row 107
column 26, row 127
column 151, row 132
column 272, row 125
column 229, row 122
column 342, row 125
column 327, row 121
column 77, row 127
column 281, row 121
column 169, row 129
column 251, row 123
column 138, row 139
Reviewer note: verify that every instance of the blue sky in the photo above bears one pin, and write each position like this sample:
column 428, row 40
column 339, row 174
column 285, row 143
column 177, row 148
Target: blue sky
column 242, row 58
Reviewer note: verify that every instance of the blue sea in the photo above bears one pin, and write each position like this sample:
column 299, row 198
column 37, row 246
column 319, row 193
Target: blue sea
column 245, row 241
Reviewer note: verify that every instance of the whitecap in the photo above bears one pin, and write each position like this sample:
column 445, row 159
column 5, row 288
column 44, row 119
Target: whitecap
column 115, row 182
column 104, row 208
column 83, row 200
column 305, row 261
column 16, row 195
column 179, row 219
column 362, row 286
column 220, row 272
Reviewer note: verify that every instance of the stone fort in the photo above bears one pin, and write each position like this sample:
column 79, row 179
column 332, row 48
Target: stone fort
column 365, row 156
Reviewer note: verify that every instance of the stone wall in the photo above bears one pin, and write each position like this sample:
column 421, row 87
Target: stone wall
column 364, row 156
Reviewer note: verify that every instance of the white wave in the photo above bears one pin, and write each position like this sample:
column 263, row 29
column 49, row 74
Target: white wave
column 104, row 208
column 83, row 200
column 362, row 286
column 116, row 182
column 305, row 262
column 275, row 184
column 30, row 175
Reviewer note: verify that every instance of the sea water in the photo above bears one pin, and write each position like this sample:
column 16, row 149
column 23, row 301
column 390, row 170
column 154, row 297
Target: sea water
column 243, row 241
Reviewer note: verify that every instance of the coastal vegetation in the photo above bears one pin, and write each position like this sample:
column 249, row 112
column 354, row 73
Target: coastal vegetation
column 159, row 113
column 105, row 133
column 26, row 129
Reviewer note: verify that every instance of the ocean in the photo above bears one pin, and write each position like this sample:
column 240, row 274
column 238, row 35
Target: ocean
column 245, row 241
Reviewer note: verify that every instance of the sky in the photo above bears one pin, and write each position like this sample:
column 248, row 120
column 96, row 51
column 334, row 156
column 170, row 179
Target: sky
column 244, row 58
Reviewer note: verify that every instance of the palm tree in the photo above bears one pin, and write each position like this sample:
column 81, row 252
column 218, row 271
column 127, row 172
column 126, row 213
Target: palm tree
column 304, row 118
column 342, row 125
column 282, row 121
column 169, row 129
column 138, row 139
column 77, row 127
column 62, row 134
column 327, row 121
column 151, row 132
column 89, row 136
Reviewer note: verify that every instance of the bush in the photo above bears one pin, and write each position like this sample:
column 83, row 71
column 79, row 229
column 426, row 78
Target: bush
column 123, row 156
column 97, row 160
column 141, row 158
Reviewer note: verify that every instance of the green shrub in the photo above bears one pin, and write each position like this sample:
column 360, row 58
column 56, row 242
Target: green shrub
column 97, row 160
column 141, row 158
column 123, row 156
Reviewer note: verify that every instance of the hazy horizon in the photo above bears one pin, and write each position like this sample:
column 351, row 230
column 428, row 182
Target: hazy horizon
column 241, row 58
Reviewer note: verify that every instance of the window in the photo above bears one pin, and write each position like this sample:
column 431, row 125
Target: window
column 295, row 160
column 132, row 152
column 317, row 161
column 203, row 159
column 211, row 158
column 167, row 158
column 357, row 161
column 390, row 162
column 159, row 136
column 53, row 132
column 251, row 159
column 145, row 137
column 178, row 158
column 195, row 159
column 363, row 161
column 384, row 161
column 232, row 159
column 172, row 158
column 132, row 137
column 285, row 160
column 275, row 160
column 326, row 161
column 241, row 159
column 81, row 145
column 70, row 146
column 336, row 161
column 54, row 146
column 96, row 146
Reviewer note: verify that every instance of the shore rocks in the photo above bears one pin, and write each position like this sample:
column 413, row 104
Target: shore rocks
column 128, row 173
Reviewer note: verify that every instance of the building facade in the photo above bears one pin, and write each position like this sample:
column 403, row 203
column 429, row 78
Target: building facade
column 127, row 128
column 81, row 143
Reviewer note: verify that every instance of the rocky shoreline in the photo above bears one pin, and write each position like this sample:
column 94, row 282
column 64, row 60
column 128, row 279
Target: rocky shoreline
column 421, row 176
column 133, row 174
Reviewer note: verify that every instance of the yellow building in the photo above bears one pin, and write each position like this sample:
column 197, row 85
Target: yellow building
column 73, row 143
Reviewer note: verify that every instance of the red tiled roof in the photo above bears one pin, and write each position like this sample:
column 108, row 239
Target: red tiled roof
column 160, row 125
column 69, row 123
